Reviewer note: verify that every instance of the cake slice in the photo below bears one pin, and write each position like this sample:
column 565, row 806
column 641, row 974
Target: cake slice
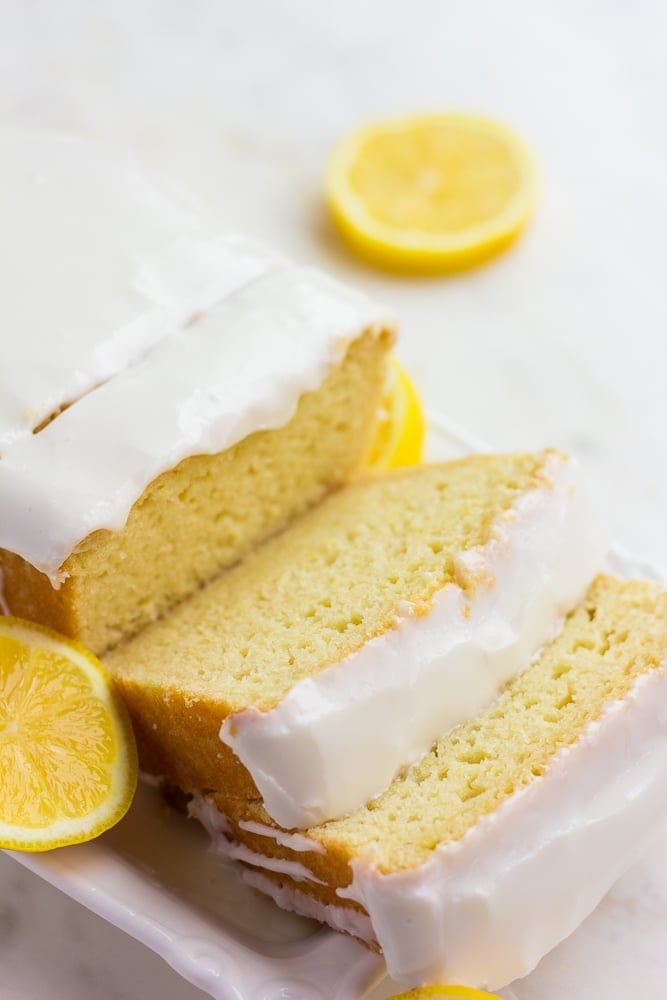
column 169, row 397
column 336, row 653
column 493, row 847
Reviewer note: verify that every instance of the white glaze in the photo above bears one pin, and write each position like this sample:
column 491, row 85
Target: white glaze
column 294, row 841
column 152, row 780
column 483, row 911
column 218, row 827
column 341, row 918
column 339, row 738
column 98, row 265
column 166, row 339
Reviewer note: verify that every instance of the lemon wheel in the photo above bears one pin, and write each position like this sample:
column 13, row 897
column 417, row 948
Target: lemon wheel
column 68, row 762
column 429, row 194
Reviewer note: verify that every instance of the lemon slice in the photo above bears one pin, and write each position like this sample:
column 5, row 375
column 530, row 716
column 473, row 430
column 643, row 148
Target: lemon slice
column 445, row 993
column 68, row 761
column 431, row 193
column 401, row 430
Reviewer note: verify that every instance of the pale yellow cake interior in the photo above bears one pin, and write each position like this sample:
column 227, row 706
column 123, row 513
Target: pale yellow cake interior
column 616, row 634
column 328, row 584
column 208, row 512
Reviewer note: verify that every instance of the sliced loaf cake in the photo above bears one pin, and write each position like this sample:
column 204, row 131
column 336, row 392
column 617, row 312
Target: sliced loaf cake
column 495, row 845
column 337, row 652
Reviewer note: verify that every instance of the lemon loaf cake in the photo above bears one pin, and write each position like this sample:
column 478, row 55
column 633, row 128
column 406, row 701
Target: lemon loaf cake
column 338, row 651
column 169, row 397
column 494, row 846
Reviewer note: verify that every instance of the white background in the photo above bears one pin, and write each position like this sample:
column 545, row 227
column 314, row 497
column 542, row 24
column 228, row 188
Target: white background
column 561, row 341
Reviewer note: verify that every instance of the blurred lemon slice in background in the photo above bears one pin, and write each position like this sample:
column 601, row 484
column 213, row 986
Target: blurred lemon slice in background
column 401, row 430
column 68, row 761
column 430, row 194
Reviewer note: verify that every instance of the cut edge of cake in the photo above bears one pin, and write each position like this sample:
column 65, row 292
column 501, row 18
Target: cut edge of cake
column 207, row 513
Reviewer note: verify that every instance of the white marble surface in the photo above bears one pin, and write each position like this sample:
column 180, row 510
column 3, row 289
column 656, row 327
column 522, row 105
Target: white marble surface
column 562, row 341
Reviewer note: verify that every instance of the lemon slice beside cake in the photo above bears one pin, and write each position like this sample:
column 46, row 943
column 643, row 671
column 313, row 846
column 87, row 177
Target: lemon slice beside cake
column 401, row 430
column 68, row 763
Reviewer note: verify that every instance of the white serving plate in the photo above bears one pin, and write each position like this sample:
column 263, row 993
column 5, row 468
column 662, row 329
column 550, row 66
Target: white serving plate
column 153, row 877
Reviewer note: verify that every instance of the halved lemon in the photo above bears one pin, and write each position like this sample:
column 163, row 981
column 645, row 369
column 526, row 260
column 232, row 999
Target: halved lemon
column 68, row 760
column 401, row 429
column 445, row 993
column 431, row 193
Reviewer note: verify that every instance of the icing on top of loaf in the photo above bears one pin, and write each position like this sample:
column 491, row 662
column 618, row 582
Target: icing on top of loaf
column 135, row 335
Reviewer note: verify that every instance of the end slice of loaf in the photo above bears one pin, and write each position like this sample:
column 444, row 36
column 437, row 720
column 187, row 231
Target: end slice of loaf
column 208, row 512
column 498, row 843
column 336, row 653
